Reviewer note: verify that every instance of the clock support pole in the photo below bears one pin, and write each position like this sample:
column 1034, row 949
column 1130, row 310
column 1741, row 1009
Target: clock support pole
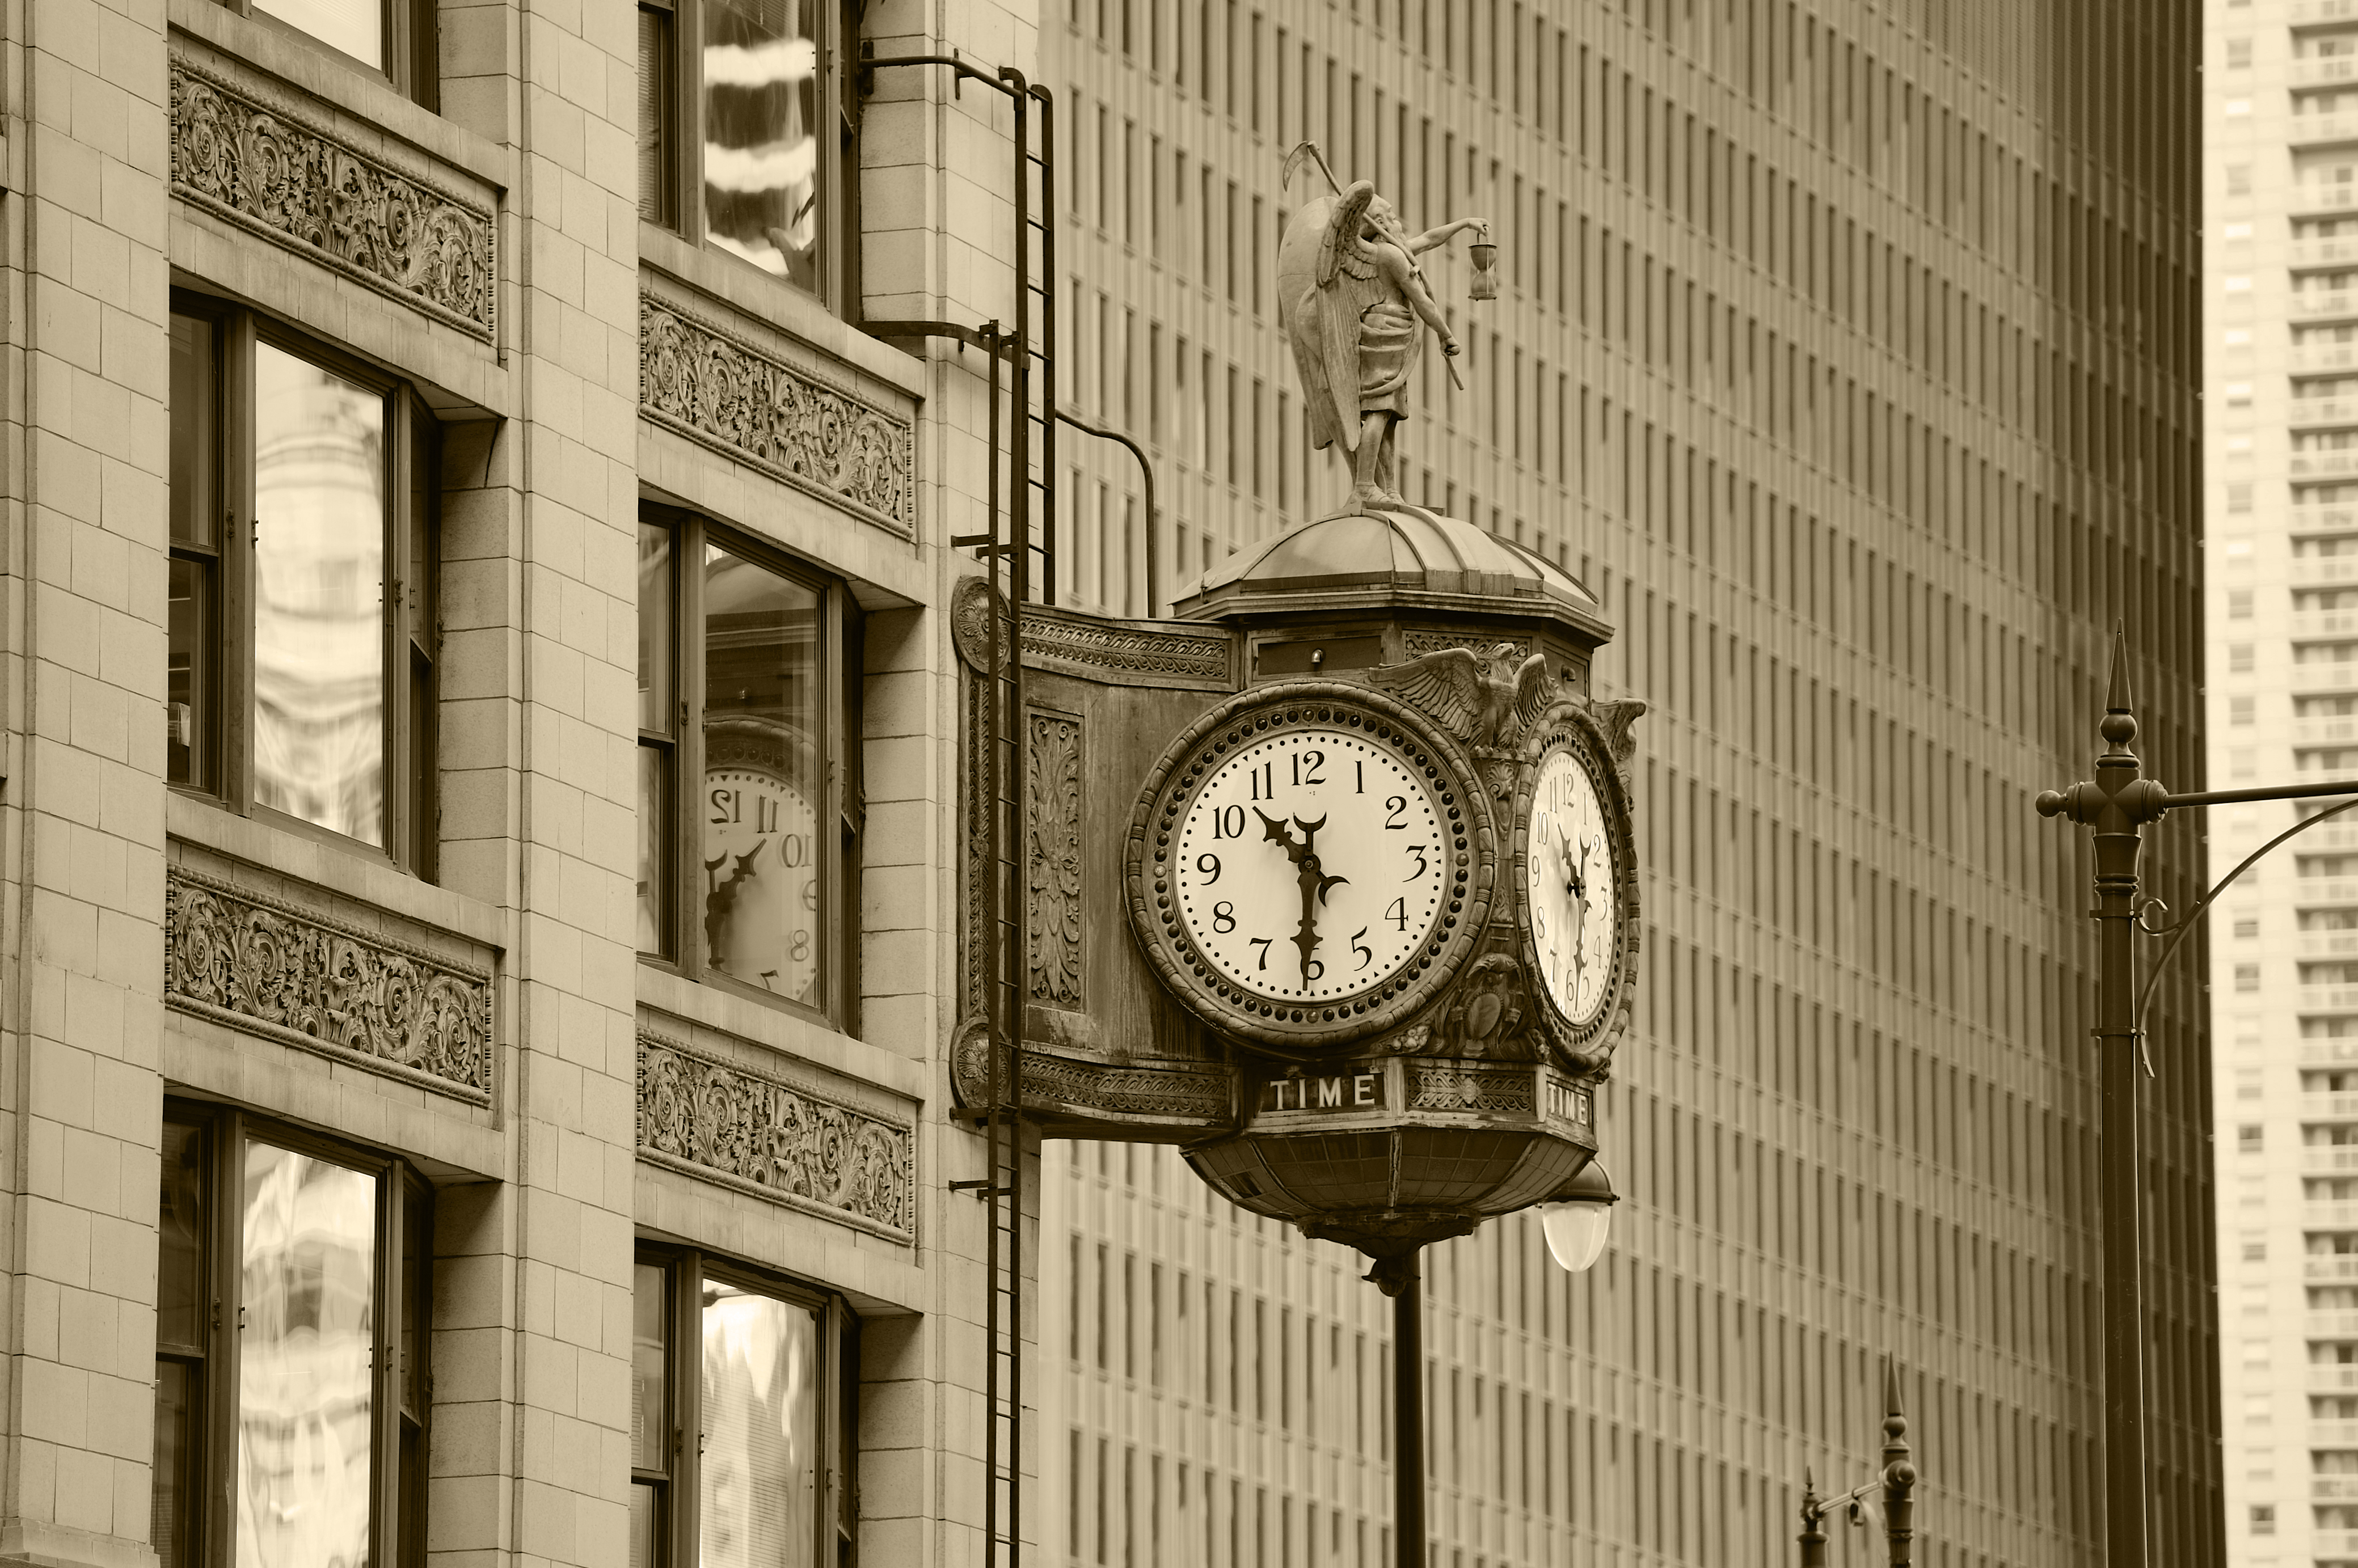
column 1408, row 1413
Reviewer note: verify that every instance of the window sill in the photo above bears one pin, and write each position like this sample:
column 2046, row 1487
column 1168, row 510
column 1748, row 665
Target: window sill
column 775, row 303
column 352, row 90
column 356, row 874
column 775, row 1029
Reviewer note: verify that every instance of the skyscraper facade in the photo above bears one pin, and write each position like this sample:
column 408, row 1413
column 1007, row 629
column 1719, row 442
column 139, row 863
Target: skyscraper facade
column 1848, row 352
column 2281, row 362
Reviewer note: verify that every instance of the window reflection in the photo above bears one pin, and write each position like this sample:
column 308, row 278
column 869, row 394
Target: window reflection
column 319, row 591
column 761, row 150
column 761, row 848
column 758, row 1489
column 355, row 26
column 308, row 1264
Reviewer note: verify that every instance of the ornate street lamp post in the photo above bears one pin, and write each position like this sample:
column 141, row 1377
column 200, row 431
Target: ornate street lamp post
column 1895, row 1481
column 2115, row 808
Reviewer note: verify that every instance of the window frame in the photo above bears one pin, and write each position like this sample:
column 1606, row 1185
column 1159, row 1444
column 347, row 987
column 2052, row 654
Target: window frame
column 409, row 608
column 835, row 1517
column 679, row 31
column 408, row 38
column 838, row 765
column 405, row 1205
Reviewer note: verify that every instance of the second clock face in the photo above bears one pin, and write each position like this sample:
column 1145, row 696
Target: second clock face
column 1312, row 865
column 1574, row 885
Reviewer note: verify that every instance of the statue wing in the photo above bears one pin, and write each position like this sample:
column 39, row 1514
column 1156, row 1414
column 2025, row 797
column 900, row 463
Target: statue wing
column 1448, row 685
column 1302, row 314
column 1348, row 284
column 1534, row 690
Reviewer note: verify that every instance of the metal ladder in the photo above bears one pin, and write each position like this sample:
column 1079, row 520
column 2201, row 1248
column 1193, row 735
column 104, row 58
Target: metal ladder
column 1022, row 412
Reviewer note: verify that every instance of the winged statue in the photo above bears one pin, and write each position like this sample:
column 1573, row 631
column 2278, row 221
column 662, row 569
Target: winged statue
column 1475, row 697
column 1354, row 304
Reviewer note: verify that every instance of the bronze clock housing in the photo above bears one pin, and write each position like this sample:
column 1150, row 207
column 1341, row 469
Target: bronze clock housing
column 1366, row 883
column 1579, row 1017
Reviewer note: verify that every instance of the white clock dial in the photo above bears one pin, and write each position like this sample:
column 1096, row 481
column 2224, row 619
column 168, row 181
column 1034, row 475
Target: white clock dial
column 761, row 881
column 1572, row 883
column 1312, row 865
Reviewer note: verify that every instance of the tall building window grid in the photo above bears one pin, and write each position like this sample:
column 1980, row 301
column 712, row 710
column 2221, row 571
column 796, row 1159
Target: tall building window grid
column 1636, row 492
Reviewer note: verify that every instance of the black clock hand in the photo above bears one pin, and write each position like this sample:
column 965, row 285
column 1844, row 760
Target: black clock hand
column 720, row 903
column 1308, row 873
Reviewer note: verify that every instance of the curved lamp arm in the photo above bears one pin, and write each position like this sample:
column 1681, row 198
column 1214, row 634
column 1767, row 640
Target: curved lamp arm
column 2178, row 933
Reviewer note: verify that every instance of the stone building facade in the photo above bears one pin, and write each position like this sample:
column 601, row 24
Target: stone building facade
column 478, row 757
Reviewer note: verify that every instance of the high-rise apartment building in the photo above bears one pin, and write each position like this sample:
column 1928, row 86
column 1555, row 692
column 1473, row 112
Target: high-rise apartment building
column 2281, row 382
column 1848, row 351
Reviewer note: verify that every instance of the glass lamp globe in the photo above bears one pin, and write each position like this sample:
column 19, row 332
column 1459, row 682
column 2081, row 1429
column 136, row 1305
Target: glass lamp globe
column 1576, row 1218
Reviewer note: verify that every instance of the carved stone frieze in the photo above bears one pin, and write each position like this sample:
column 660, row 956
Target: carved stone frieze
column 719, row 1121
column 274, row 169
column 273, row 968
column 714, row 387
column 1054, row 922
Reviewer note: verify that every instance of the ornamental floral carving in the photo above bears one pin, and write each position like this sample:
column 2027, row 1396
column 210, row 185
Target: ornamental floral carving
column 718, row 1121
column 272, row 968
column 265, row 168
column 1054, row 922
column 712, row 388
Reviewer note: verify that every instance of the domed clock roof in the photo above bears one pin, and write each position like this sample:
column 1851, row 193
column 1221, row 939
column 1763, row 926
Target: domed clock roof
column 1400, row 559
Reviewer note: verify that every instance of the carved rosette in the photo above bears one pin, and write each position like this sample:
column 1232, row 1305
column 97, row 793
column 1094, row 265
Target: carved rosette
column 1054, row 923
column 718, row 390
column 272, row 968
column 718, row 1121
column 267, row 168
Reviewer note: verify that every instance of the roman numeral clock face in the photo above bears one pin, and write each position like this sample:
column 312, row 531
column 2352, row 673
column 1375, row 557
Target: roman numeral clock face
column 1572, row 886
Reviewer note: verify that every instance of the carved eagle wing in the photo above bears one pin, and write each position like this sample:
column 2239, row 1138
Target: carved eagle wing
column 1534, row 690
column 1448, row 685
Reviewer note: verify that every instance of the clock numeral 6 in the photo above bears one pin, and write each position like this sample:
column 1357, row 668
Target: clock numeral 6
column 1209, row 865
column 1224, row 917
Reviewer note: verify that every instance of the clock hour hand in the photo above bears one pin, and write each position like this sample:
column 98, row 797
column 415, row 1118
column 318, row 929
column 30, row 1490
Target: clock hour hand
column 720, row 901
column 1311, row 877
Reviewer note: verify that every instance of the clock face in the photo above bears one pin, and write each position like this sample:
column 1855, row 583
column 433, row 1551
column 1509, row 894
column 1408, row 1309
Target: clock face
column 761, row 881
column 1312, row 865
column 1307, row 866
column 1572, row 885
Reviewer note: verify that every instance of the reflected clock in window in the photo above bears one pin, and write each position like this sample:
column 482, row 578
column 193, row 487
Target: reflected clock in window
column 761, row 879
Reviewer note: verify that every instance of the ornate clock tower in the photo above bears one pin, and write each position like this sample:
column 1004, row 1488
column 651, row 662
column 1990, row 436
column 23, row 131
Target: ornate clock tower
column 1329, row 880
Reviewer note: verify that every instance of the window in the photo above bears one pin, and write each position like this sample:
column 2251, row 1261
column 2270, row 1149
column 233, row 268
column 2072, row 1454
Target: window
column 293, row 1283
column 748, row 783
column 301, row 638
column 732, row 97
column 741, row 1400
column 2249, row 1138
column 2264, row 1518
column 395, row 38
